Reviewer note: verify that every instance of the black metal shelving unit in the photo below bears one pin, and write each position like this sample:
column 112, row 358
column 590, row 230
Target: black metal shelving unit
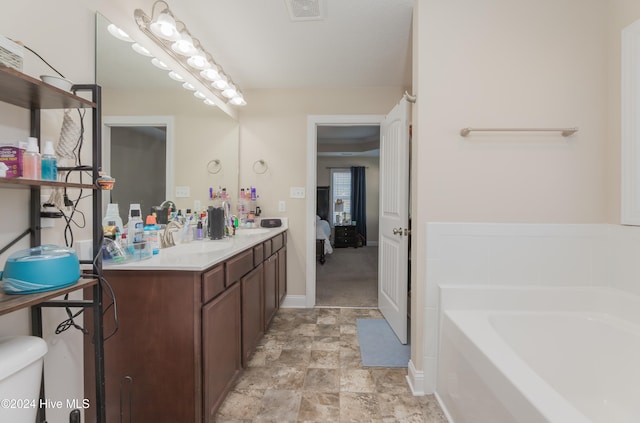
column 24, row 91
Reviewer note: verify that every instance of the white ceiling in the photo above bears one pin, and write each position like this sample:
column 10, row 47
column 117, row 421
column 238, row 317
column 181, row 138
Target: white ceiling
column 359, row 43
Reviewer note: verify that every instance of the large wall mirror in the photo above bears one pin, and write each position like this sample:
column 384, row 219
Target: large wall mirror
column 158, row 139
column 630, row 124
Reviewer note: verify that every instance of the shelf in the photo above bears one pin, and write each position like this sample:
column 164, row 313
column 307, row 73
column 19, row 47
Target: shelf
column 24, row 91
column 10, row 303
column 41, row 183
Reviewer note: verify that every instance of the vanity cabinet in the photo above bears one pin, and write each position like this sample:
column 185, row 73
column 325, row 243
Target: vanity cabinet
column 252, row 312
column 221, row 345
column 270, row 289
column 184, row 336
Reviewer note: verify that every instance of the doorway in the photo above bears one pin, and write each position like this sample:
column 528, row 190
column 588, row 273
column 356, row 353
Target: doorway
column 313, row 122
column 146, row 141
column 347, row 274
column 394, row 231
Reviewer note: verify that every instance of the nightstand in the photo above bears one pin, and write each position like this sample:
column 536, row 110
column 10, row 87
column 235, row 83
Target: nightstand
column 346, row 236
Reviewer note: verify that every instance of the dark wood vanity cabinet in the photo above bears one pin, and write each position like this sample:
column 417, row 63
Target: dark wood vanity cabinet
column 252, row 312
column 221, row 347
column 270, row 289
column 184, row 336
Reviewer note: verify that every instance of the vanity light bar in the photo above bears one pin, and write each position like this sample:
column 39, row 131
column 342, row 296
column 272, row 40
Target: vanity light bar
column 174, row 38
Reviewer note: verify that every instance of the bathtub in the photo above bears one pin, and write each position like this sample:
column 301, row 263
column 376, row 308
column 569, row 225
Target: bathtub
column 569, row 355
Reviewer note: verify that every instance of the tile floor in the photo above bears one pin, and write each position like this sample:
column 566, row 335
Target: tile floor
column 308, row 369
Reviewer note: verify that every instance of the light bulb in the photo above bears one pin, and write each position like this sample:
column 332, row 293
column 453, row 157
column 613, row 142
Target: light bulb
column 188, row 86
column 141, row 50
column 221, row 83
column 238, row 101
column 165, row 27
column 209, row 102
column 176, row 76
column 184, row 45
column 230, row 91
column 119, row 33
column 199, row 95
column 198, row 61
column 159, row 64
column 212, row 73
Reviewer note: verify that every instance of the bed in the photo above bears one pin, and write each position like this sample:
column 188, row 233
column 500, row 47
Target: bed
column 323, row 239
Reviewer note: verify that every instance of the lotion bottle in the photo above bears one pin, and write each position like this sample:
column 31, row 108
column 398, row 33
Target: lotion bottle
column 31, row 160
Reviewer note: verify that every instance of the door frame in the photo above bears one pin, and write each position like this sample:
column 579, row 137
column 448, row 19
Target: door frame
column 120, row 121
column 313, row 121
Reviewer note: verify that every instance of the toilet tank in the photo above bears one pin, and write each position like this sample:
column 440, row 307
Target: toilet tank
column 20, row 377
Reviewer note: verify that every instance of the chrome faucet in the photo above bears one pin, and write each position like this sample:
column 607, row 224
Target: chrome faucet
column 166, row 240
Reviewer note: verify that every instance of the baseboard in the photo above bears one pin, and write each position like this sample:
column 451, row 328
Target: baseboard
column 444, row 408
column 372, row 243
column 415, row 379
column 294, row 301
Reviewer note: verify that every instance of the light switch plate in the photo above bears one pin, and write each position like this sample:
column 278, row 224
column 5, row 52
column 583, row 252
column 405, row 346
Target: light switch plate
column 182, row 192
column 282, row 206
column 296, row 192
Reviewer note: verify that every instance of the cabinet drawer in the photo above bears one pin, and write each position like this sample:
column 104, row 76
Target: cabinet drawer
column 276, row 243
column 212, row 283
column 238, row 266
column 258, row 254
column 267, row 248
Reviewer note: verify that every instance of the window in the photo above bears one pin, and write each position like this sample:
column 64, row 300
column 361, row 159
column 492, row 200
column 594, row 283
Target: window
column 341, row 195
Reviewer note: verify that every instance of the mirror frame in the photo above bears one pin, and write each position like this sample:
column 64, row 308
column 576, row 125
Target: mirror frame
column 630, row 125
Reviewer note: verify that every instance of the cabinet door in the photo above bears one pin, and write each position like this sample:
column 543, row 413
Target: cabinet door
column 282, row 274
column 252, row 312
column 221, row 348
column 270, row 289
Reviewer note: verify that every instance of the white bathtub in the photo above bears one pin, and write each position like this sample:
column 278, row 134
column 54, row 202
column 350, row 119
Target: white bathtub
column 539, row 355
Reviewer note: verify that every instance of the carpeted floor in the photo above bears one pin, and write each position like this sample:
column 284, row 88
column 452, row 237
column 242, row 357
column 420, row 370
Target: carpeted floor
column 349, row 278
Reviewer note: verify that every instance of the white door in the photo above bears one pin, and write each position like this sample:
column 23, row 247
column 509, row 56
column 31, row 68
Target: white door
column 393, row 249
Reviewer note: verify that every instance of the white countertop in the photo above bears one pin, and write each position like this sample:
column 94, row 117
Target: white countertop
column 200, row 255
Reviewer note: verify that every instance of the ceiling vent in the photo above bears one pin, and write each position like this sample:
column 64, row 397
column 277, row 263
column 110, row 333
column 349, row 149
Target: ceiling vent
column 305, row 10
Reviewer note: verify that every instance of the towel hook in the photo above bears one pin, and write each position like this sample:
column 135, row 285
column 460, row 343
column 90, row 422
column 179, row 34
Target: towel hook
column 260, row 167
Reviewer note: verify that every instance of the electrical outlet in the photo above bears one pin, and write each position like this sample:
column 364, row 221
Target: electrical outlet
column 197, row 205
column 282, row 206
column 296, row 192
column 182, row 192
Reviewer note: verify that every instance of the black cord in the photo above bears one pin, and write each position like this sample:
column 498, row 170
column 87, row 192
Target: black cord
column 47, row 63
column 70, row 323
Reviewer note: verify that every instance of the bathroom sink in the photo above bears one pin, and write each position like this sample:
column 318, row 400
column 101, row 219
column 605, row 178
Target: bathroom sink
column 252, row 231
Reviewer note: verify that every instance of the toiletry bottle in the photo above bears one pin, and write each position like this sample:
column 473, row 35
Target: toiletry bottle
column 199, row 230
column 151, row 233
column 31, row 160
column 135, row 226
column 113, row 214
column 49, row 163
column 253, row 194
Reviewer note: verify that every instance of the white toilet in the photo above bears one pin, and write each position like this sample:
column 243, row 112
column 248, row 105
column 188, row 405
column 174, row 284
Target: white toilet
column 20, row 377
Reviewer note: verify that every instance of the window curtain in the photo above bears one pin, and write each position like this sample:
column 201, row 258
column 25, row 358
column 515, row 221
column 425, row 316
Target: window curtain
column 359, row 201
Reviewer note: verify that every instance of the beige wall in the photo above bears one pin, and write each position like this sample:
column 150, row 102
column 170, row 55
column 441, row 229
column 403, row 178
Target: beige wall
column 499, row 63
column 373, row 185
column 273, row 127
